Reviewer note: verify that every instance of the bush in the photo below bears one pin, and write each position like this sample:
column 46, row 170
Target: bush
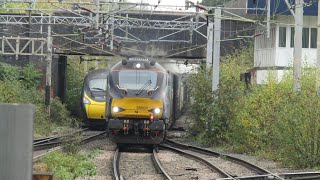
column 74, row 87
column 213, row 112
column 19, row 85
column 30, row 76
column 277, row 121
column 8, row 72
column 269, row 119
column 59, row 112
column 69, row 166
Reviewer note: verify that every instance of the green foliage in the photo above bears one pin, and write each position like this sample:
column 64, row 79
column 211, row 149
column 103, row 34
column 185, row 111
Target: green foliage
column 74, row 145
column 214, row 111
column 8, row 72
column 274, row 119
column 59, row 112
column 69, row 166
column 74, row 86
column 19, row 85
column 37, row 5
column 14, row 5
column 30, row 76
column 269, row 119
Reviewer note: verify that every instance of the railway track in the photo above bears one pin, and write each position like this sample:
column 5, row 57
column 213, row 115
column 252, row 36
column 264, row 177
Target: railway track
column 200, row 159
column 198, row 153
column 261, row 173
column 185, row 152
column 46, row 145
column 160, row 169
column 53, row 141
column 202, row 155
column 155, row 161
column 116, row 165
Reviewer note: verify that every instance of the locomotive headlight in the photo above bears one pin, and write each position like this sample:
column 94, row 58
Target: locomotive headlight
column 115, row 109
column 156, row 110
column 85, row 100
column 138, row 65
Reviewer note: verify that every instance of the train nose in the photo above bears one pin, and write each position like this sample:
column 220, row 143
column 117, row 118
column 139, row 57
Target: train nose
column 136, row 107
column 96, row 111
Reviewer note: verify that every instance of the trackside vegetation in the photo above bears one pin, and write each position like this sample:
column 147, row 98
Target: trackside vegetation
column 70, row 166
column 268, row 120
column 21, row 85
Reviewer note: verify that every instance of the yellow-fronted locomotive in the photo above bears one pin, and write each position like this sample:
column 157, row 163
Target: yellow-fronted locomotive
column 140, row 102
column 93, row 98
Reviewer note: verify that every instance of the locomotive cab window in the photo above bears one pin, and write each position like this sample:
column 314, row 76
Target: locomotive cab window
column 98, row 84
column 136, row 79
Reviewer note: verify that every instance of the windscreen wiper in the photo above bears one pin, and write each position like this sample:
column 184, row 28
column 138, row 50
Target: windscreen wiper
column 143, row 87
column 99, row 89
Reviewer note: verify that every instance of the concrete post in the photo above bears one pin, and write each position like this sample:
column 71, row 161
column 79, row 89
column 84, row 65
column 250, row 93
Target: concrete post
column 216, row 50
column 48, row 71
column 209, row 43
column 297, row 52
column 318, row 53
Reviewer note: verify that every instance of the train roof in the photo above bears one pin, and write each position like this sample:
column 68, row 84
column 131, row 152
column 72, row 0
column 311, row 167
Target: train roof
column 138, row 63
column 98, row 73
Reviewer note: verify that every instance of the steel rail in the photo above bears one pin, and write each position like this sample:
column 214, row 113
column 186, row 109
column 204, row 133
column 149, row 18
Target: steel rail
column 116, row 164
column 91, row 137
column 200, row 159
column 301, row 175
column 52, row 141
column 244, row 163
column 42, row 140
column 83, row 140
column 293, row 176
column 38, row 157
column 158, row 165
column 253, row 177
column 55, row 141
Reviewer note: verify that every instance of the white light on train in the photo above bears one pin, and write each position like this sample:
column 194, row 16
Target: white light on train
column 85, row 100
column 157, row 110
column 138, row 65
column 115, row 109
